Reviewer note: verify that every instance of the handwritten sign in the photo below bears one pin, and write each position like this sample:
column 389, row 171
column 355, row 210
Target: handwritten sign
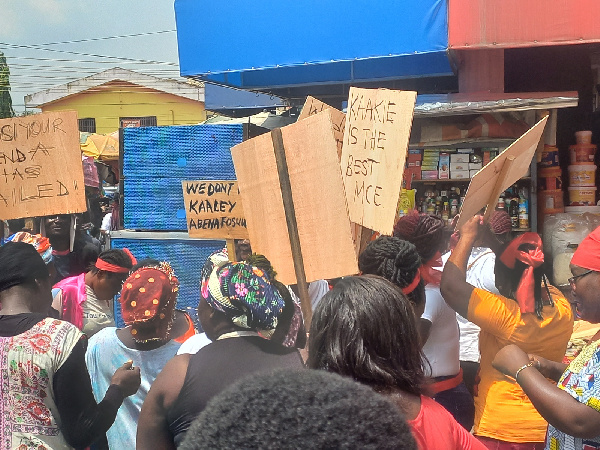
column 500, row 173
column 318, row 195
column 378, row 124
column 313, row 106
column 214, row 209
column 40, row 166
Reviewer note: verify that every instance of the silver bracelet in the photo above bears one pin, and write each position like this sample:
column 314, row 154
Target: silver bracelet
column 525, row 366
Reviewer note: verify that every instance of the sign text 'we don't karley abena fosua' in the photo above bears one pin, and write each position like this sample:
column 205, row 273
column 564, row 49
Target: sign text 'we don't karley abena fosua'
column 40, row 166
column 214, row 209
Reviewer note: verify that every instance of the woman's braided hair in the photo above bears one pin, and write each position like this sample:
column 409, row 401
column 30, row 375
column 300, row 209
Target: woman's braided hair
column 397, row 261
column 425, row 231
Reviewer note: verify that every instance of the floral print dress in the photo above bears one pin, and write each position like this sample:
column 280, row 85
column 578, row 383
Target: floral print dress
column 581, row 380
column 28, row 414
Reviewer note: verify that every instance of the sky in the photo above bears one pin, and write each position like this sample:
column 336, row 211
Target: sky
column 36, row 38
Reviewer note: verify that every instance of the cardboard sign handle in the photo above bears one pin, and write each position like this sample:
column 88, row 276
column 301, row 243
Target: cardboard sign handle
column 230, row 249
column 498, row 187
column 292, row 226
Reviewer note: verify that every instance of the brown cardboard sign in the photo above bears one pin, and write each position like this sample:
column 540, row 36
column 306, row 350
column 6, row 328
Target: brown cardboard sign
column 213, row 209
column 40, row 166
column 378, row 124
column 318, row 196
column 500, row 173
column 313, row 106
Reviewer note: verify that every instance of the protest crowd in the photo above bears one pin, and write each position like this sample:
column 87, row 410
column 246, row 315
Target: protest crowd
column 381, row 366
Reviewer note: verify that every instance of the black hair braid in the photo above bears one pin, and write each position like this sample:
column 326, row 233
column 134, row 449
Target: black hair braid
column 425, row 231
column 395, row 260
column 262, row 263
column 391, row 258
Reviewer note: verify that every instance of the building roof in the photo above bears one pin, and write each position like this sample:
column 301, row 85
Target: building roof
column 174, row 87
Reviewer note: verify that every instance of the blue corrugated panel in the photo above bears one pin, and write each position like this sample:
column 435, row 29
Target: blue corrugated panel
column 157, row 159
column 186, row 257
column 328, row 41
column 191, row 152
column 153, row 204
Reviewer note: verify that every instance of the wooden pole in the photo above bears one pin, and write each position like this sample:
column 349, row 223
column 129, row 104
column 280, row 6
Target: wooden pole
column 498, row 187
column 231, row 249
column 292, row 226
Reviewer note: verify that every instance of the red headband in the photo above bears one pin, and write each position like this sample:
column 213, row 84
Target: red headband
column 413, row 284
column 587, row 254
column 428, row 273
column 533, row 258
column 108, row 267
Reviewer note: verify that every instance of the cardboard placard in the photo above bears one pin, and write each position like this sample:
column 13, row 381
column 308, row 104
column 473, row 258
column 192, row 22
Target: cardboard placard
column 500, row 173
column 313, row 106
column 318, row 196
column 378, row 124
column 213, row 209
column 40, row 166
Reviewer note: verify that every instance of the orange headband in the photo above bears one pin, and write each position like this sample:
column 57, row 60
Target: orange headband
column 108, row 267
column 413, row 284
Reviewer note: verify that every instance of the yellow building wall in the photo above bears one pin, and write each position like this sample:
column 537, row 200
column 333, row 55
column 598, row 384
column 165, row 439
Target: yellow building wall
column 111, row 101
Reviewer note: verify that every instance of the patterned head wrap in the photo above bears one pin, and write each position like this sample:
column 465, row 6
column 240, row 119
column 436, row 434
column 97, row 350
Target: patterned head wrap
column 242, row 292
column 40, row 243
column 150, row 293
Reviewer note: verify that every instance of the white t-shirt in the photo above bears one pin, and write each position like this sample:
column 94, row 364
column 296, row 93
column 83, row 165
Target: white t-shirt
column 97, row 314
column 106, row 221
column 193, row 344
column 480, row 273
column 316, row 290
column 442, row 346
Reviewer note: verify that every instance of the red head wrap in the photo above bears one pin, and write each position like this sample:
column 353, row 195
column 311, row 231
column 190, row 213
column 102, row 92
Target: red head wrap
column 150, row 293
column 533, row 258
column 587, row 254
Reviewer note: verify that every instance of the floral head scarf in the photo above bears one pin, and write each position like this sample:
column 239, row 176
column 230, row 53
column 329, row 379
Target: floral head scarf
column 242, row 292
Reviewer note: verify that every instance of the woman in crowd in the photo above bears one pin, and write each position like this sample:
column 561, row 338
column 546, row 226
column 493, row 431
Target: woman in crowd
column 239, row 310
column 41, row 244
column 87, row 299
column 147, row 303
column 438, row 325
column 572, row 408
column 397, row 261
column 299, row 409
column 365, row 329
column 183, row 326
column 47, row 399
column 528, row 313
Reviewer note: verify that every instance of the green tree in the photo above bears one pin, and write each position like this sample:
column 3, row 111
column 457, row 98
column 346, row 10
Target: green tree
column 6, row 109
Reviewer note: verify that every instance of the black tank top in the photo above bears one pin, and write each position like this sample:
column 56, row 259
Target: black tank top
column 219, row 365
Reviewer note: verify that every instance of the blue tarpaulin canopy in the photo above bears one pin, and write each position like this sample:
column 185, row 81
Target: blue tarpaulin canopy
column 279, row 43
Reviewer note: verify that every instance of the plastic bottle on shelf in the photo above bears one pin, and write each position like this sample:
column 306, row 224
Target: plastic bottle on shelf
column 514, row 212
column 454, row 197
column 445, row 213
column 500, row 206
column 430, row 207
column 523, row 213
